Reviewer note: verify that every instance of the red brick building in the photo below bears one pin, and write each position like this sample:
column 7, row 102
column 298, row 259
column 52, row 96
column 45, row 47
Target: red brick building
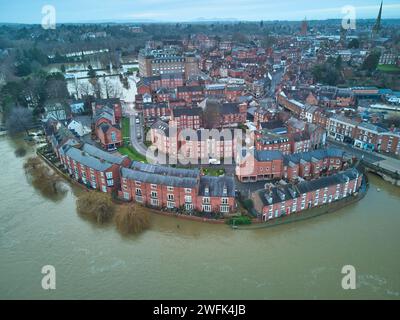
column 277, row 201
column 93, row 167
column 190, row 93
column 267, row 165
column 109, row 135
column 172, row 188
column 113, row 103
column 183, row 118
column 155, row 110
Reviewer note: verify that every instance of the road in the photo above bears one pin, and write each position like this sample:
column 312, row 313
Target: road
column 386, row 162
column 137, row 132
column 276, row 79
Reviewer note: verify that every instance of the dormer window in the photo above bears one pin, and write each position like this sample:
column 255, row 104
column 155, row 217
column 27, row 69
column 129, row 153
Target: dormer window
column 206, row 190
column 225, row 191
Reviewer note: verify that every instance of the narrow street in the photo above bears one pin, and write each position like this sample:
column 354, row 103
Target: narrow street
column 384, row 161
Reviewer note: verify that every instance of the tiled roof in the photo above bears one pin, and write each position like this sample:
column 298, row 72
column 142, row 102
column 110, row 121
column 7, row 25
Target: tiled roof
column 216, row 186
column 181, row 182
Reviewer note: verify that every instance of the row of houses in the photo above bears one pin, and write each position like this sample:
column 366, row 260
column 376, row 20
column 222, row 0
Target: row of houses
column 171, row 88
column 363, row 135
column 223, row 114
column 194, row 144
column 277, row 201
column 166, row 187
column 152, row 185
column 260, row 165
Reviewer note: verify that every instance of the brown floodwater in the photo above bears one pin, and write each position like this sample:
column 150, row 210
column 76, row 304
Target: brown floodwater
column 179, row 259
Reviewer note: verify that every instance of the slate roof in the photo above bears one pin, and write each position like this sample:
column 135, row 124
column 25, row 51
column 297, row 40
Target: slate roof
column 278, row 194
column 273, row 124
column 190, row 89
column 216, row 186
column 307, row 186
column 229, row 108
column 98, row 153
column 86, row 159
column 372, row 127
column 267, row 155
column 164, row 170
column 317, row 154
column 173, row 181
column 161, row 125
column 186, row 111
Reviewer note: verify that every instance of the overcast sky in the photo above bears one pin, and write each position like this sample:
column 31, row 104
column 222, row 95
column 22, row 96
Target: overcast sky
column 30, row 11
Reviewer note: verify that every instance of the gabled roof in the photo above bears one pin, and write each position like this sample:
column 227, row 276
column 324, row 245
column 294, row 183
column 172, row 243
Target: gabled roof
column 277, row 194
column 100, row 154
column 316, row 154
column 216, row 186
column 307, row 186
column 86, row 159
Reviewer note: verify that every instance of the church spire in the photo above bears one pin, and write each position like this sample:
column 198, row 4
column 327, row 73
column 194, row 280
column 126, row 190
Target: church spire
column 377, row 26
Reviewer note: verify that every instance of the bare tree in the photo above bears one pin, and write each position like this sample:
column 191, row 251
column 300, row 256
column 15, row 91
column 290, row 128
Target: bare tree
column 48, row 183
column 96, row 206
column 84, row 89
column 56, row 89
column 111, row 90
column 97, row 87
column 19, row 120
column 132, row 219
column 211, row 115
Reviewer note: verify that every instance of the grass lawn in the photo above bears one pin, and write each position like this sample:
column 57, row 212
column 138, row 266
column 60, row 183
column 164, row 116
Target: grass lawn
column 132, row 153
column 388, row 68
column 213, row 172
column 126, row 129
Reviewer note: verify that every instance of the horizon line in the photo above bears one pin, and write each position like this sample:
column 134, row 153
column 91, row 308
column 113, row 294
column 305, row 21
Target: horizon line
column 144, row 21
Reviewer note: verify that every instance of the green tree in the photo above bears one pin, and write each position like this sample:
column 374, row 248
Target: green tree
column 371, row 61
column 354, row 44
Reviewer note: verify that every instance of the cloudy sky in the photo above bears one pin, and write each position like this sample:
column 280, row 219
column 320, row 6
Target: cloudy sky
column 30, row 11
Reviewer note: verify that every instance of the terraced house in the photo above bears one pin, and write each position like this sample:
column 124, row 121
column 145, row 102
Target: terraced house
column 276, row 201
column 166, row 187
column 93, row 167
column 266, row 165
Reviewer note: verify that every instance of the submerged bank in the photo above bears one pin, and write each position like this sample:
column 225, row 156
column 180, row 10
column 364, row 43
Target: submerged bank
column 180, row 259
